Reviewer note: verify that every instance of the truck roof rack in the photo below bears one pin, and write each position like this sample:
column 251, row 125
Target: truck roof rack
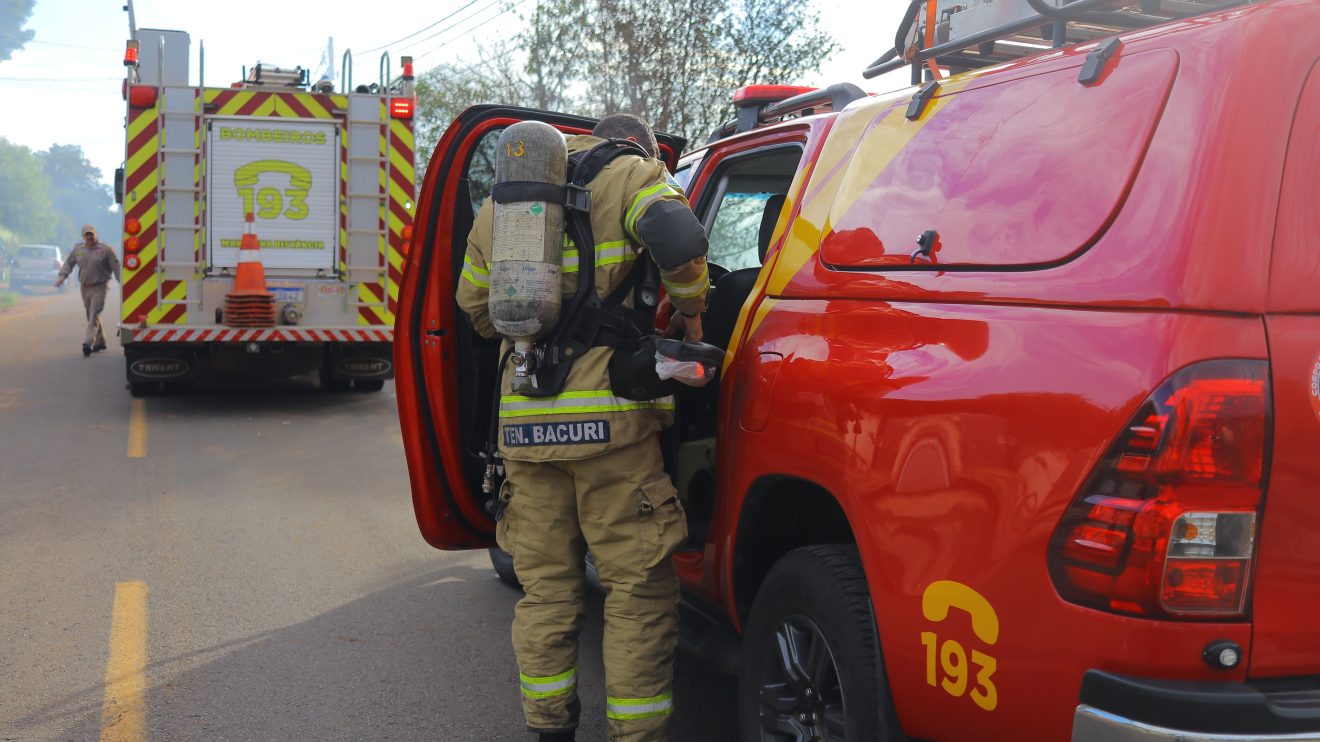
column 761, row 104
column 969, row 34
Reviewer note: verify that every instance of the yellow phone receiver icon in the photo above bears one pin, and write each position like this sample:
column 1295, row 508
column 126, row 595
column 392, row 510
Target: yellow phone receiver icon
column 247, row 176
column 942, row 595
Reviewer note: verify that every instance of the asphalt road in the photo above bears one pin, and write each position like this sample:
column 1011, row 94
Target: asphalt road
column 241, row 563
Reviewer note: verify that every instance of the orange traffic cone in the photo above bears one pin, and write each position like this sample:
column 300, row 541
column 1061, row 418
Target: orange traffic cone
column 249, row 304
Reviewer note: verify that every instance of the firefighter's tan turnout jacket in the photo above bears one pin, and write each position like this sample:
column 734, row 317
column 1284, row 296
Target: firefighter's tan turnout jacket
column 636, row 209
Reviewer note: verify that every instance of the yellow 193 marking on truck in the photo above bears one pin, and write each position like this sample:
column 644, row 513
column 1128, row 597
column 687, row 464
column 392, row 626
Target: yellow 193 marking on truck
column 948, row 664
column 269, row 202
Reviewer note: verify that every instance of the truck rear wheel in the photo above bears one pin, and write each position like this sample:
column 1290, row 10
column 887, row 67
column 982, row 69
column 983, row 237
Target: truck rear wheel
column 811, row 666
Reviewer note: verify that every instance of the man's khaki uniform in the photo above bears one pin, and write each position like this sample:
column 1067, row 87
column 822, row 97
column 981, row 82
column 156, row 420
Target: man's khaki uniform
column 96, row 266
column 585, row 472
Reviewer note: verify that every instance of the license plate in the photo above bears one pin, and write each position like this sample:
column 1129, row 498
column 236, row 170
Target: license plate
column 288, row 294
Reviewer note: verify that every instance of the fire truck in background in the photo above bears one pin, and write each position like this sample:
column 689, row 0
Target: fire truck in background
column 329, row 179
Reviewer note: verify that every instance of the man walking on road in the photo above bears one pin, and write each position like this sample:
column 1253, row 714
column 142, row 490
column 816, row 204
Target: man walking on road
column 96, row 264
column 601, row 485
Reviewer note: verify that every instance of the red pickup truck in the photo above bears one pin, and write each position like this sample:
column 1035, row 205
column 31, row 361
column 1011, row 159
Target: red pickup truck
column 1017, row 433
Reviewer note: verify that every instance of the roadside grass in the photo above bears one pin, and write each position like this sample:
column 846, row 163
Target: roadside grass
column 7, row 299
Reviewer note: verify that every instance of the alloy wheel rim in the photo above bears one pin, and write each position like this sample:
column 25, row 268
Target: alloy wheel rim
column 801, row 695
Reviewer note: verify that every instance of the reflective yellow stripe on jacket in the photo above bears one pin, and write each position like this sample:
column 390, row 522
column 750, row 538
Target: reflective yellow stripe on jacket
column 607, row 253
column 477, row 275
column 644, row 198
column 568, row 403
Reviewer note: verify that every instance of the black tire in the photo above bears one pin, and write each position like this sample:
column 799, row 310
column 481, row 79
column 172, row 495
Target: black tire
column 330, row 384
column 503, row 564
column 368, row 385
column 814, row 604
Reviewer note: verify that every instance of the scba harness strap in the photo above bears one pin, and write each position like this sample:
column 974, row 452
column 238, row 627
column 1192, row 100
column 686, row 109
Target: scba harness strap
column 588, row 321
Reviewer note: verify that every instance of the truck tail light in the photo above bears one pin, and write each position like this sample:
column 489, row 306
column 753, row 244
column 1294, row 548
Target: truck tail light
column 1166, row 524
column 402, row 108
column 132, row 245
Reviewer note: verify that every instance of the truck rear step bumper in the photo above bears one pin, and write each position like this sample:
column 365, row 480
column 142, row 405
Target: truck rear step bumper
column 1121, row 708
column 282, row 333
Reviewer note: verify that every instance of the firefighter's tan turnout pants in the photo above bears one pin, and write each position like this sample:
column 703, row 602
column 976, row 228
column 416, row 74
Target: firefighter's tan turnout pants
column 622, row 508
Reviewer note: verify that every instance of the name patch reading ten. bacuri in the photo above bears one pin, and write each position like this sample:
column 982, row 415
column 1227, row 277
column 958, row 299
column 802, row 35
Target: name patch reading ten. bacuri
column 557, row 434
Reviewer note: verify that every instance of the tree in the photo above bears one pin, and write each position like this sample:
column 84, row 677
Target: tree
column 13, row 14
column 675, row 64
column 445, row 90
column 76, row 192
column 25, row 206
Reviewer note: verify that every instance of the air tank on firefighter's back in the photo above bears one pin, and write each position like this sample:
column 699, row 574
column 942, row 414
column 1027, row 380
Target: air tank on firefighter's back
column 528, row 241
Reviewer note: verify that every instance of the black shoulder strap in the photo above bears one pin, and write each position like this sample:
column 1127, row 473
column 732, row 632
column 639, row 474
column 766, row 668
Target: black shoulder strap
column 583, row 167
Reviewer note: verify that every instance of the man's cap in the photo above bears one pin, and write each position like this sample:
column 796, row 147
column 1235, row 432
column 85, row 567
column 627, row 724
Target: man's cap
column 88, row 228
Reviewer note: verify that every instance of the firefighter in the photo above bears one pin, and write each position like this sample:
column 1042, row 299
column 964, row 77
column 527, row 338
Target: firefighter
column 96, row 263
column 584, row 467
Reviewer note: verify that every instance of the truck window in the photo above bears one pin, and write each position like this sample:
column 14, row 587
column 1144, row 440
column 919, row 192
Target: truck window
column 975, row 172
column 684, row 176
column 749, row 194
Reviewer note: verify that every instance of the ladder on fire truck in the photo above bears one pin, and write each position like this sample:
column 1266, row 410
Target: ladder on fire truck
column 180, row 222
column 368, row 187
column 960, row 35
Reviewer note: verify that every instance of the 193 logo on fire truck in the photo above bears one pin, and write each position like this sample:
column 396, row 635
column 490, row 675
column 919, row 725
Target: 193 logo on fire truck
column 949, row 665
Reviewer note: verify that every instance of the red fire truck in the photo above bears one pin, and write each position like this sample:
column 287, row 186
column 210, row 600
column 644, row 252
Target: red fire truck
column 329, row 178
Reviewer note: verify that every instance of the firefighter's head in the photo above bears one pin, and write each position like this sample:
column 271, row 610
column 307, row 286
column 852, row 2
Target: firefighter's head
column 627, row 126
column 89, row 234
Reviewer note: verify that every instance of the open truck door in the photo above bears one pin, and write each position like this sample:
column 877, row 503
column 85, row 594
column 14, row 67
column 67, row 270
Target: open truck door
column 446, row 373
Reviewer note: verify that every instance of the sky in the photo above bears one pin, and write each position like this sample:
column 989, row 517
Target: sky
column 63, row 87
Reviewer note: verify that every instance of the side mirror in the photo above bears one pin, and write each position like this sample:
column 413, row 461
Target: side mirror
column 119, row 185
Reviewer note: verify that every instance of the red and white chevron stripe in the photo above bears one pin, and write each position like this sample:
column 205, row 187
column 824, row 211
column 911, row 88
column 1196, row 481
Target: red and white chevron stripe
column 218, row 334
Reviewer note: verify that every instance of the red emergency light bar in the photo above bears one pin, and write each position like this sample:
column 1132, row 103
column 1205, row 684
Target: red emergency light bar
column 131, row 54
column 753, row 95
column 407, row 67
column 402, row 108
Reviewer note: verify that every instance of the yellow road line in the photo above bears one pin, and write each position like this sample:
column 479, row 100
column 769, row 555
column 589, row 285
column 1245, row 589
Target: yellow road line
column 124, row 711
column 137, row 430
